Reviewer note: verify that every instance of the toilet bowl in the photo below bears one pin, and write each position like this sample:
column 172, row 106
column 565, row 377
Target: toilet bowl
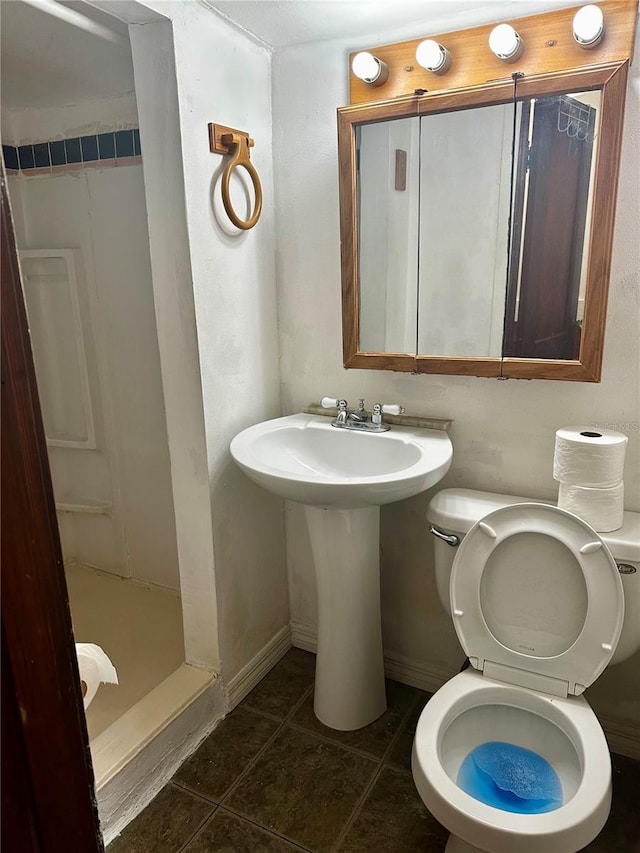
column 471, row 709
column 538, row 606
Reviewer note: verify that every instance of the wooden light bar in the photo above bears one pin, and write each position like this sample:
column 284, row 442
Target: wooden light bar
column 549, row 47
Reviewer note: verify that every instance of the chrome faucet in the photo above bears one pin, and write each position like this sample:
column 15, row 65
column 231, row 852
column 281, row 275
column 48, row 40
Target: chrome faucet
column 348, row 419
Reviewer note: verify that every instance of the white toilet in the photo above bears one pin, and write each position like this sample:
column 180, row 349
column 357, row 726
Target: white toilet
column 540, row 607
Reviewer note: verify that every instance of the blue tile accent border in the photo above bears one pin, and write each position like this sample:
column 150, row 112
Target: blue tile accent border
column 58, row 157
column 114, row 145
column 89, row 145
column 41, row 155
column 72, row 150
column 25, row 156
column 124, row 143
column 10, row 156
column 106, row 146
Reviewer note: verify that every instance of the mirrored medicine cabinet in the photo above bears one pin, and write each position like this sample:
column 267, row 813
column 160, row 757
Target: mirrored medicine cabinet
column 477, row 225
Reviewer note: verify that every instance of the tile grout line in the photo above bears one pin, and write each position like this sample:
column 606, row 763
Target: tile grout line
column 354, row 749
column 264, row 714
column 195, row 794
column 204, row 822
column 378, row 766
column 347, row 747
column 297, row 844
column 401, row 728
column 241, row 776
column 361, row 801
column 252, row 763
column 198, row 830
column 356, row 809
column 287, row 721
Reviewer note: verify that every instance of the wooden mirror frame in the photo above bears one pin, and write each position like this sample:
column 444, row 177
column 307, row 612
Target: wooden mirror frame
column 611, row 80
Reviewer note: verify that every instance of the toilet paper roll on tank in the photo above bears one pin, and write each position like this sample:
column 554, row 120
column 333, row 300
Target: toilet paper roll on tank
column 589, row 465
column 603, row 509
column 95, row 669
column 585, row 456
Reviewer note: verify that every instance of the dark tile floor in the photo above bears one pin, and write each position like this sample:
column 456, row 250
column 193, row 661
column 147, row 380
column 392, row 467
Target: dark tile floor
column 272, row 779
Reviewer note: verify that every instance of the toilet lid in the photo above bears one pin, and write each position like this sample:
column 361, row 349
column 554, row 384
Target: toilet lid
column 536, row 598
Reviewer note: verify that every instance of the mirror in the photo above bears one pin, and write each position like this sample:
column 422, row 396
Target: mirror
column 555, row 152
column 476, row 228
column 433, row 216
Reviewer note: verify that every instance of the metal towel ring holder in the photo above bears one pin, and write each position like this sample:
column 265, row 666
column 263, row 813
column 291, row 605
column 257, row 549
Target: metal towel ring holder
column 226, row 140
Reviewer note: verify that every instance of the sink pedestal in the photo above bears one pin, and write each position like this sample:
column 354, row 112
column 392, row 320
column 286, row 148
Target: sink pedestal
column 349, row 688
column 303, row 458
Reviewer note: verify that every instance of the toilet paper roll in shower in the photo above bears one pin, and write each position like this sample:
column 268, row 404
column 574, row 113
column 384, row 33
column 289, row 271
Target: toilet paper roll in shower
column 589, row 457
column 95, row 669
column 601, row 508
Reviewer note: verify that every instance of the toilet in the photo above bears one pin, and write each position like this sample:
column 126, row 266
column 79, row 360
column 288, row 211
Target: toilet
column 541, row 604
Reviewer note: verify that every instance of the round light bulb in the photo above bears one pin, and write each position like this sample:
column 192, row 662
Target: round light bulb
column 366, row 67
column 505, row 42
column 588, row 26
column 433, row 56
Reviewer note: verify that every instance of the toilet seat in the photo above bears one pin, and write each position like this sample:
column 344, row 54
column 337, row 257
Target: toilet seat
column 536, row 599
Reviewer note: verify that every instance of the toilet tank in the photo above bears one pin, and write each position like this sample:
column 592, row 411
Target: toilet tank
column 453, row 512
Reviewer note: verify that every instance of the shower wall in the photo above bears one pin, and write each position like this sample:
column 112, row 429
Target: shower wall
column 114, row 499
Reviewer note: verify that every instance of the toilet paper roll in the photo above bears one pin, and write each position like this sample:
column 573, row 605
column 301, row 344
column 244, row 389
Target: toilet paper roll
column 95, row 669
column 589, row 457
column 601, row 508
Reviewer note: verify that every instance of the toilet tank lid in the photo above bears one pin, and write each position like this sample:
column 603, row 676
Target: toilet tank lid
column 457, row 510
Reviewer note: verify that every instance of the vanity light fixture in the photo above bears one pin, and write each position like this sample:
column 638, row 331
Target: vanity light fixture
column 505, row 42
column 369, row 68
column 588, row 26
column 433, row 56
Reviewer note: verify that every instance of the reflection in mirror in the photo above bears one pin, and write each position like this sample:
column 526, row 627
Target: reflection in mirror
column 464, row 221
column 556, row 142
column 388, row 197
column 433, row 200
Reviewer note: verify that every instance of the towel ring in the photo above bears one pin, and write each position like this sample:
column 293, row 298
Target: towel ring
column 240, row 157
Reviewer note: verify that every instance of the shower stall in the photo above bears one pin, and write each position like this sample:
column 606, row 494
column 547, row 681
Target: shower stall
column 72, row 155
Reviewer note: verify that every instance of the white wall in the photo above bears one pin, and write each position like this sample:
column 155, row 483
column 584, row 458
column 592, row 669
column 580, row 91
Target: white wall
column 464, row 221
column 503, row 431
column 101, row 214
column 82, row 118
column 388, row 245
column 221, row 77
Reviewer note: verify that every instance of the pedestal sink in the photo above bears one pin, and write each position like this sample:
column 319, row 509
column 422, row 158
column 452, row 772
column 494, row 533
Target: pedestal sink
column 343, row 477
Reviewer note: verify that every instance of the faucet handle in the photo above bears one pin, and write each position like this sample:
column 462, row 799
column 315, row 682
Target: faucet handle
column 329, row 402
column 386, row 408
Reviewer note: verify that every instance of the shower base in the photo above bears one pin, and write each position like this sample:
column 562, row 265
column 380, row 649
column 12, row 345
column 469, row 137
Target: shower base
column 141, row 730
column 139, row 626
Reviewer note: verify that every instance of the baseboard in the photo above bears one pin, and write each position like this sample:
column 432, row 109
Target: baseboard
column 406, row 670
column 622, row 737
column 303, row 637
column 253, row 672
column 416, row 673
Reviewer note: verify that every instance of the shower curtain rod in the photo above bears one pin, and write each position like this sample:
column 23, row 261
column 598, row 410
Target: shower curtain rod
column 77, row 19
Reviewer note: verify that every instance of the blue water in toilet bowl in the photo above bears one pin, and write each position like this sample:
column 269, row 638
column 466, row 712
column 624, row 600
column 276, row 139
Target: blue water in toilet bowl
column 510, row 778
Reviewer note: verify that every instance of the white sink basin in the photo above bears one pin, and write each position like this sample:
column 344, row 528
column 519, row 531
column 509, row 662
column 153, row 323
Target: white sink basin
column 343, row 477
column 305, row 459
